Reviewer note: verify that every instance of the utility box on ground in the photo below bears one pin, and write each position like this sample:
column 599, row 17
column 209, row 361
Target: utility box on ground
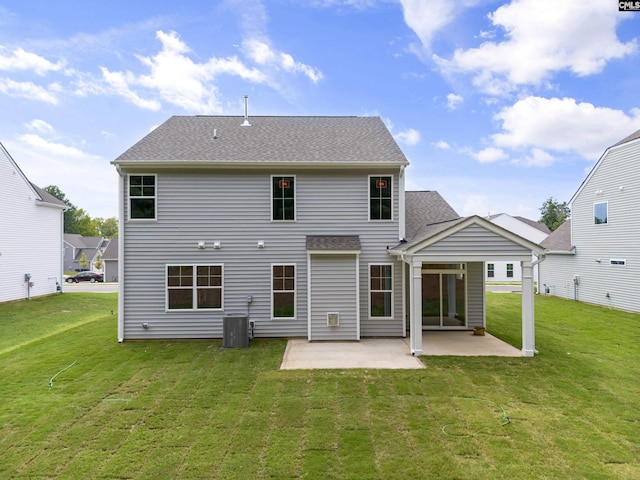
column 235, row 330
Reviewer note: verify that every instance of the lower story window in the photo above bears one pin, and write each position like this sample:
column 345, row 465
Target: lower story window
column 509, row 270
column 490, row 270
column 380, row 290
column 283, row 281
column 194, row 287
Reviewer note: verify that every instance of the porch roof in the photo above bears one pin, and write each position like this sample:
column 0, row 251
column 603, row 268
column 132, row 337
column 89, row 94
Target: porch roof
column 468, row 236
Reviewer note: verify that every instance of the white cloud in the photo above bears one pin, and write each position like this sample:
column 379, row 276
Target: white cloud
column 263, row 54
column 542, row 37
column 441, row 145
column 427, row 17
column 562, row 125
column 19, row 59
column 475, row 204
column 38, row 125
column 490, row 155
column 536, row 158
column 454, row 101
column 54, row 149
column 408, row 137
column 27, row 90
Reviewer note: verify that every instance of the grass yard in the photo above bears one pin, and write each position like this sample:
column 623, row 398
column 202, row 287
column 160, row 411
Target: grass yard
column 76, row 404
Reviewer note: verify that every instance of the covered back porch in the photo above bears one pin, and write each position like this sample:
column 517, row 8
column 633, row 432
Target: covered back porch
column 443, row 277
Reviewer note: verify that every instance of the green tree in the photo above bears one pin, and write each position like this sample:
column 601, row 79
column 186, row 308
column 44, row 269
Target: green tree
column 85, row 225
column 107, row 227
column 84, row 263
column 98, row 264
column 554, row 213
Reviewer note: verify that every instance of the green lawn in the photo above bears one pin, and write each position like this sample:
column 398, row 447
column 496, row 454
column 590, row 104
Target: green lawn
column 167, row 410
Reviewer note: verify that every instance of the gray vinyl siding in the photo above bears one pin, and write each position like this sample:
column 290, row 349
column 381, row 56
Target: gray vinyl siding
column 333, row 289
column 233, row 207
column 475, row 295
column 477, row 240
column 618, row 239
column 110, row 270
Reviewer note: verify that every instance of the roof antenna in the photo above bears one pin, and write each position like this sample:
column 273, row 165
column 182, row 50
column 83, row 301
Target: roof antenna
column 246, row 112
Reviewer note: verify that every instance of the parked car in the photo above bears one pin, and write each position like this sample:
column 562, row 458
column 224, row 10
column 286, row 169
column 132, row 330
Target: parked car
column 86, row 277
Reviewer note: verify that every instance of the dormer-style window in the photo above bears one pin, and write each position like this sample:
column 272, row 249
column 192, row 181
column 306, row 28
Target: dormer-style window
column 142, row 197
column 380, row 197
column 283, row 198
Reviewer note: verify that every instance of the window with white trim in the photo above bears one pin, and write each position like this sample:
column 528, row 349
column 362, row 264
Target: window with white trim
column 380, row 197
column 509, row 270
column 381, row 291
column 283, row 198
column 490, row 270
column 283, row 285
column 601, row 213
column 194, row 287
column 142, row 197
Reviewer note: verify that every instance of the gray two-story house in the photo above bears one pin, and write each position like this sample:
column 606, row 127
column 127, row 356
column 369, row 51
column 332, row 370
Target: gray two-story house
column 595, row 257
column 301, row 224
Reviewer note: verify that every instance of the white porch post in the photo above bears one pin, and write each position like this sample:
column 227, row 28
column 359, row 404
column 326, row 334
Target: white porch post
column 415, row 315
column 528, row 332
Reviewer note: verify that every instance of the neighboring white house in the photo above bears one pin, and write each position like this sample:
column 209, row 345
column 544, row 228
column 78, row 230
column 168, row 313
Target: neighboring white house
column 595, row 258
column 301, row 224
column 533, row 231
column 31, row 225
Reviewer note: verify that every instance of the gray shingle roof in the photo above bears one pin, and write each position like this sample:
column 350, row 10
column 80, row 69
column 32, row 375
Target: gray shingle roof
column 303, row 140
column 423, row 211
column 633, row 136
column 111, row 252
column 47, row 197
column 560, row 239
column 333, row 242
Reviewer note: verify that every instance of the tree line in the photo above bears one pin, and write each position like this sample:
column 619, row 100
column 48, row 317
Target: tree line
column 76, row 220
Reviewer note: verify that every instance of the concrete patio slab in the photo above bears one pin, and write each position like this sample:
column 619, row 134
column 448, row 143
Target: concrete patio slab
column 390, row 353
column 466, row 344
column 367, row 353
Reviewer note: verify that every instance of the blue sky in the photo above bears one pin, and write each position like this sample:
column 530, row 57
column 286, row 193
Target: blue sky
column 498, row 105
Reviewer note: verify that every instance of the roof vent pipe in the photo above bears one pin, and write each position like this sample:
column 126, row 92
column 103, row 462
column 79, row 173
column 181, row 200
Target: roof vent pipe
column 246, row 112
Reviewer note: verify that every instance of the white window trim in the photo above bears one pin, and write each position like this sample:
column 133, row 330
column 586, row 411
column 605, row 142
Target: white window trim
column 507, row 270
column 193, row 288
column 369, row 199
column 295, row 198
column 606, row 202
column 155, row 197
column 295, row 290
column 369, row 316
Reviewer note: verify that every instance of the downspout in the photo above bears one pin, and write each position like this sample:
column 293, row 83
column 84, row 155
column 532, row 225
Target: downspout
column 401, row 205
column 541, row 258
column 121, row 253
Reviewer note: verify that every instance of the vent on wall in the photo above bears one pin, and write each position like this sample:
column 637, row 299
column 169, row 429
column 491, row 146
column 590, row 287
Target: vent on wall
column 333, row 319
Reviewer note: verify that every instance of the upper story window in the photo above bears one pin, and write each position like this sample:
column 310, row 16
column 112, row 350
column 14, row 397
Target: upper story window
column 142, row 197
column 283, row 198
column 601, row 213
column 380, row 197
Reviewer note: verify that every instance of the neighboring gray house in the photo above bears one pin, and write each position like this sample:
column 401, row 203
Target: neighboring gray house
column 110, row 258
column 31, row 223
column 595, row 258
column 75, row 245
column 301, row 223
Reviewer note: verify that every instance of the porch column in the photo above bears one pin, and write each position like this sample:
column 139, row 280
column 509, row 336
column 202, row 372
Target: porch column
column 528, row 332
column 415, row 298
